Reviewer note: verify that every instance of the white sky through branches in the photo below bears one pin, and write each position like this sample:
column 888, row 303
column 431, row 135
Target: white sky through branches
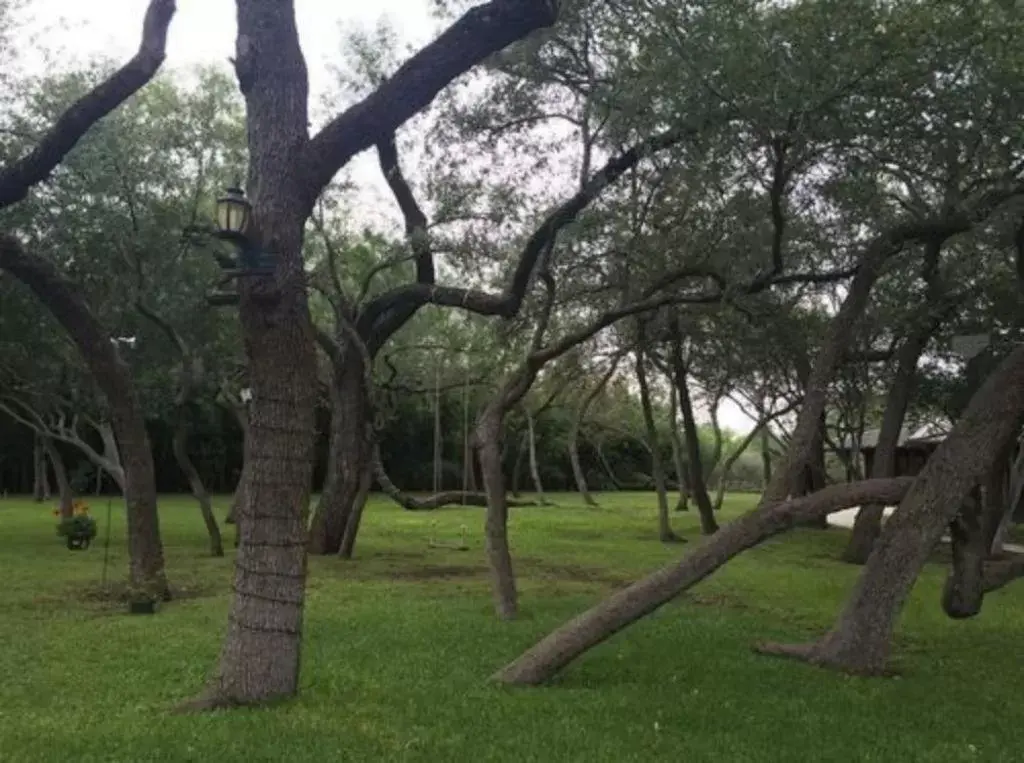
column 66, row 33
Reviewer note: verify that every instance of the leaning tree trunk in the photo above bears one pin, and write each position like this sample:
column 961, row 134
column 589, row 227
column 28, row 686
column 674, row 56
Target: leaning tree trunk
column 349, row 459
column 112, row 376
column 860, row 640
column 60, row 472
column 808, row 426
column 773, row 514
column 697, row 485
column 562, row 646
column 665, row 533
column 487, row 440
column 179, row 444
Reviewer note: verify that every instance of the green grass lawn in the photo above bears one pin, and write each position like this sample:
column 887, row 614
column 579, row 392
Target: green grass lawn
column 399, row 644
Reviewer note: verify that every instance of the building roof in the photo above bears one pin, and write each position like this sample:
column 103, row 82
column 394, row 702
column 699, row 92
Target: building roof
column 911, row 438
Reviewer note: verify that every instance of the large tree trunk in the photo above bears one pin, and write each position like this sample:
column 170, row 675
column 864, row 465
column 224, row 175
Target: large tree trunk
column 179, row 445
column 698, row 487
column 665, row 533
column 67, row 497
column 562, row 646
column 860, row 639
column 349, row 459
column 112, row 376
column 487, row 440
column 531, row 434
column 260, row 657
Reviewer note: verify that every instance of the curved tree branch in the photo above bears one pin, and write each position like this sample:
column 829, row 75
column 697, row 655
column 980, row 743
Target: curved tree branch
column 479, row 33
column 36, row 166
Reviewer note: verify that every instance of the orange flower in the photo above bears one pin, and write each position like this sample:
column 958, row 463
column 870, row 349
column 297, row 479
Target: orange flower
column 56, row 512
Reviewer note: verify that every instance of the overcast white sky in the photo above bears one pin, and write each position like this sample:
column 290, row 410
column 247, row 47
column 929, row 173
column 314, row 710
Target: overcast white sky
column 203, row 32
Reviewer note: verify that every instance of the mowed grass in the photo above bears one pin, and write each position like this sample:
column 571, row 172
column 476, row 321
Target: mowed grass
column 399, row 644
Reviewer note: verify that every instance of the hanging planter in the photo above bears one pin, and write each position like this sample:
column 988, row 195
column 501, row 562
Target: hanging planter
column 79, row 531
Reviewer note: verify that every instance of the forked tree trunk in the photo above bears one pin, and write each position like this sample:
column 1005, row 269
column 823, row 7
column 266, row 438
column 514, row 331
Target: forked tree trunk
column 112, row 376
column 665, row 533
column 860, row 640
column 698, row 487
column 349, row 459
column 562, row 646
column 487, row 440
column 531, row 434
column 179, row 444
column 60, row 472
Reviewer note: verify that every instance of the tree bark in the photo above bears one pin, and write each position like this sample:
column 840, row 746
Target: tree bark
column 486, row 438
column 562, row 646
column 697, row 485
column 65, row 301
column 67, row 497
column 860, row 640
column 665, row 533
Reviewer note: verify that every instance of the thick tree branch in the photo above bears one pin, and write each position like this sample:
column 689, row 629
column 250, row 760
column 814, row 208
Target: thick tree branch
column 479, row 33
column 36, row 166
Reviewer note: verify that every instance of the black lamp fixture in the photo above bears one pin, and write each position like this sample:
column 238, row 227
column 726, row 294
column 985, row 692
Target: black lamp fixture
column 234, row 224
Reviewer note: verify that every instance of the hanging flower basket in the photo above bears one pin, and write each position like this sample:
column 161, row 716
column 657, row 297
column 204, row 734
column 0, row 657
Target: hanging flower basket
column 79, row 531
